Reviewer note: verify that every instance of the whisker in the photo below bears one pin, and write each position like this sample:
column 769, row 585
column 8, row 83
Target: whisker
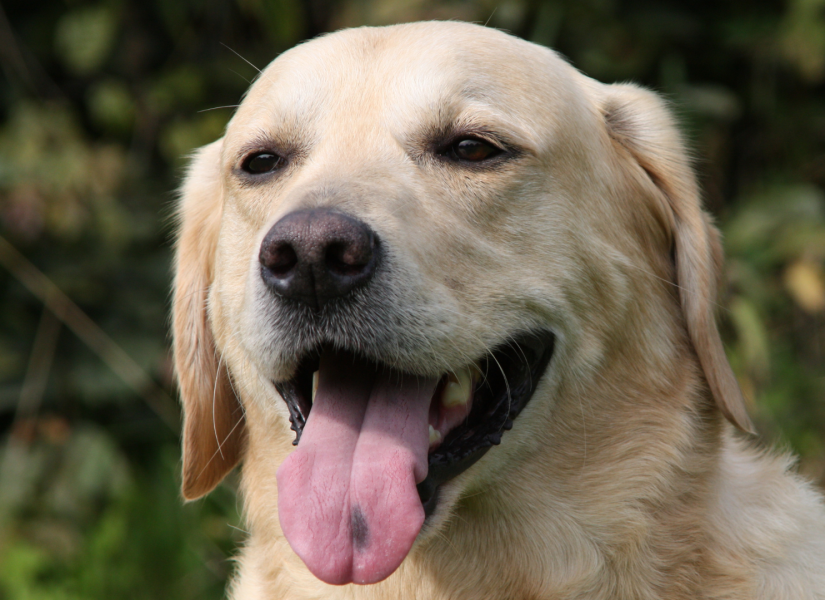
column 447, row 540
column 219, row 107
column 584, row 430
column 214, row 396
column 487, row 22
column 238, row 528
column 228, row 435
column 507, row 385
column 676, row 285
column 241, row 57
column 241, row 76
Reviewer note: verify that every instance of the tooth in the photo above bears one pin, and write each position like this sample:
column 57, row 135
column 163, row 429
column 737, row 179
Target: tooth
column 458, row 388
column 435, row 436
column 314, row 385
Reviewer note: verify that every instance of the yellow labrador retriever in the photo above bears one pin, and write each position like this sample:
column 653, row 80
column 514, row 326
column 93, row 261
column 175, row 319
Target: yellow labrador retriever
column 451, row 302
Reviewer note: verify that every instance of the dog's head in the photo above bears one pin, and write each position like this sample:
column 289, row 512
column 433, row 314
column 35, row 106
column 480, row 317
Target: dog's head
column 414, row 244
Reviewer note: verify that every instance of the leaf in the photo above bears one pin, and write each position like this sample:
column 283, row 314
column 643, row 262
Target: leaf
column 803, row 38
column 752, row 336
column 111, row 105
column 805, row 281
column 84, row 38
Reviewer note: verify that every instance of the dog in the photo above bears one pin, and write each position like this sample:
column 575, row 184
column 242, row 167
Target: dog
column 452, row 304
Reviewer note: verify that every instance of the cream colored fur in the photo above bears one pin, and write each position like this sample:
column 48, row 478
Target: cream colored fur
column 621, row 479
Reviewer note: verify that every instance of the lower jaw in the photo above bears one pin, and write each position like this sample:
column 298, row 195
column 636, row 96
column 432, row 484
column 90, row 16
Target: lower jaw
column 428, row 490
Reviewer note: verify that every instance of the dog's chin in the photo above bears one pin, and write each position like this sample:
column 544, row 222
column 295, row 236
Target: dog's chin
column 470, row 409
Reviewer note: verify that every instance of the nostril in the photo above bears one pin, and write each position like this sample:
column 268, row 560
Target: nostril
column 349, row 259
column 280, row 259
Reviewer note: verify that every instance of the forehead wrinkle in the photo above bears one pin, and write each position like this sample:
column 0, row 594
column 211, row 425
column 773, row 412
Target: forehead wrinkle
column 482, row 116
column 447, row 114
column 277, row 112
column 271, row 129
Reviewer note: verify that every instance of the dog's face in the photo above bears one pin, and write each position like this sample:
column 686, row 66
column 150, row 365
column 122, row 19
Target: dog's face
column 415, row 245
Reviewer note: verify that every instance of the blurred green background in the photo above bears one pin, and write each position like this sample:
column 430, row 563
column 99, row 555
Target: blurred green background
column 100, row 103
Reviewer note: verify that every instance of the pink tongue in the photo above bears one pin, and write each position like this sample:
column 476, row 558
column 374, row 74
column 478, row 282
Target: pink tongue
column 347, row 499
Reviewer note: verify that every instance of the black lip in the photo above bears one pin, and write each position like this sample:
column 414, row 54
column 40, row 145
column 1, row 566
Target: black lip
column 511, row 373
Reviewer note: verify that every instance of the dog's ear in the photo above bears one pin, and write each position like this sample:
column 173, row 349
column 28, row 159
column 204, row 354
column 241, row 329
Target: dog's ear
column 213, row 431
column 639, row 123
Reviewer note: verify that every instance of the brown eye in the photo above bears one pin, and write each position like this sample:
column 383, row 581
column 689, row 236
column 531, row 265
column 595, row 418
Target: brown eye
column 262, row 162
column 473, row 150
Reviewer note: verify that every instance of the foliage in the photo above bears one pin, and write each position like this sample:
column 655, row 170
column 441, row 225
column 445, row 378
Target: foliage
column 103, row 99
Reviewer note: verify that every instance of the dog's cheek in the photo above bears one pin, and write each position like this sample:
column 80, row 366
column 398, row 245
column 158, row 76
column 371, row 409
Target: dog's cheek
column 237, row 286
column 245, row 358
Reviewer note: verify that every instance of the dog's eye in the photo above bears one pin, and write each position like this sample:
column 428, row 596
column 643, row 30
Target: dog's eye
column 473, row 150
column 261, row 162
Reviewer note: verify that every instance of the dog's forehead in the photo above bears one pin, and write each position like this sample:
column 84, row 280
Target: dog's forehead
column 398, row 73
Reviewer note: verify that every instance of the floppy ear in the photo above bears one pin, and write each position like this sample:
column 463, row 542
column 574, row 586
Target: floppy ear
column 640, row 123
column 214, row 432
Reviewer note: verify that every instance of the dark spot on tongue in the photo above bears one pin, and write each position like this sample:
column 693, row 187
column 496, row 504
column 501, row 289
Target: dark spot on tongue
column 360, row 529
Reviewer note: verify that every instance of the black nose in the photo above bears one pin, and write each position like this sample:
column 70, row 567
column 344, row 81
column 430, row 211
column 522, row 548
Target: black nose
column 315, row 255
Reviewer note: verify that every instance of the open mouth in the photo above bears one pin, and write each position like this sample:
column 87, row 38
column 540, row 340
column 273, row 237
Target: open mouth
column 375, row 444
column 468, row 413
